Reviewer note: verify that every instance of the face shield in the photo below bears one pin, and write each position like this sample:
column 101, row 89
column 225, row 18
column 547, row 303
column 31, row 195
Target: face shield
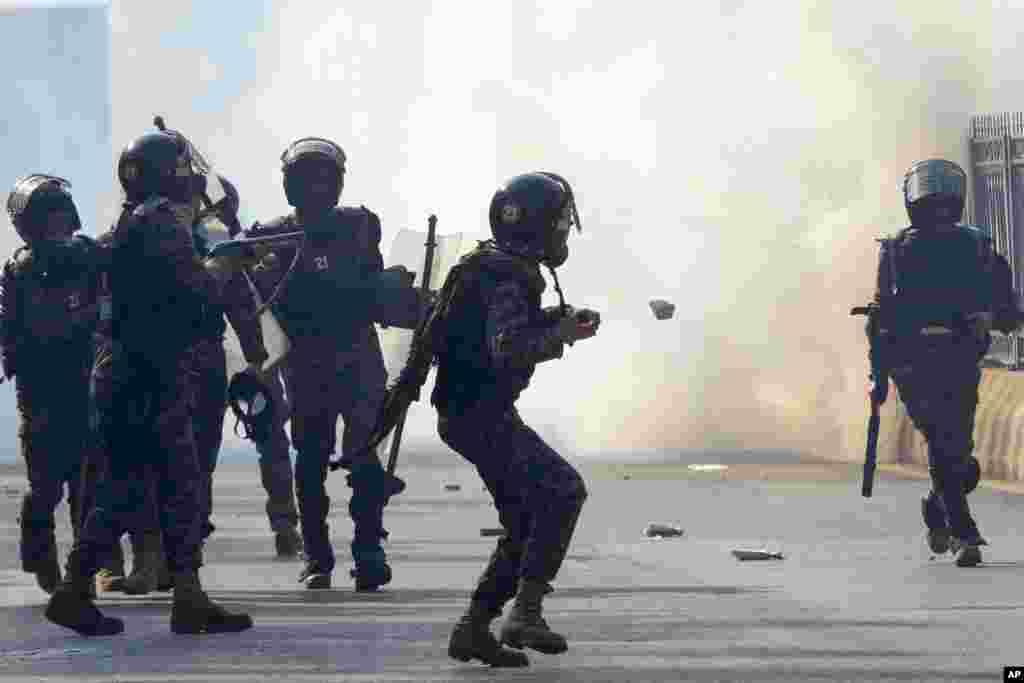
column 557, row 249
column 42, row 210
column 934, row 177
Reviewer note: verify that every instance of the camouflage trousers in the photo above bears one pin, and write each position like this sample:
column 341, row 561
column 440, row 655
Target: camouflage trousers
column 940, row 392
column 537, row 493
column 276, row 462
column 53, row 430
column 325, row 387
column 145, row 427
column 209, row 403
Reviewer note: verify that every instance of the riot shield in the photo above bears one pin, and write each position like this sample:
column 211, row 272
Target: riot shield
column 407, row 249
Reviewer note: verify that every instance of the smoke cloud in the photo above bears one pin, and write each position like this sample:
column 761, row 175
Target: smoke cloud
column 736, row 158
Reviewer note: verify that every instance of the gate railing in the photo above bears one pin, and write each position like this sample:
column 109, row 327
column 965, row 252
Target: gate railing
column 996, row 143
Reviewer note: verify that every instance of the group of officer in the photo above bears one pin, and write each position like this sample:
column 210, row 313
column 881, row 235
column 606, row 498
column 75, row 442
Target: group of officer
column 116, row 348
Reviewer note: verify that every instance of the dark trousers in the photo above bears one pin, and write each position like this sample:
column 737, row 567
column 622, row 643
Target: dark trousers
column 53, row 430
column 276, row 462
column 210, row 381
column 939, row 388
column 323, row 388
column 145, row 425
column 537, row 493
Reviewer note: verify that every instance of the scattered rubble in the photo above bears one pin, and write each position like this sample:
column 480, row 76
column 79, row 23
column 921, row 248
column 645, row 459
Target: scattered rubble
column 653, row 530
column 743, row 555
column 663, row 310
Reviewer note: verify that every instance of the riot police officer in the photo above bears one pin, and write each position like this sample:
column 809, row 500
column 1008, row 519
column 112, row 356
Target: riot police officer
column 336, row 365
column 274, row 450
column 941, row 288
column 159, row 286
column 216, row 204
column 48, row 311
column 494, row 334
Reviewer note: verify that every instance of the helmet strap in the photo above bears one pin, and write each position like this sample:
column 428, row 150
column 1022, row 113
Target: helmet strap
column 558, row 288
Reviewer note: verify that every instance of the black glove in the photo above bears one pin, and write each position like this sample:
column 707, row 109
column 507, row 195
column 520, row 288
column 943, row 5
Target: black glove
column 579, row 324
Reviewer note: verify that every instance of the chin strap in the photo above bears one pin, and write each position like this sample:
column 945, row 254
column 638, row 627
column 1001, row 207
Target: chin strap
column 558, row 289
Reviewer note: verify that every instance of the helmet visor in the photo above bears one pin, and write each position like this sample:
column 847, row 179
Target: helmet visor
column 934, row 177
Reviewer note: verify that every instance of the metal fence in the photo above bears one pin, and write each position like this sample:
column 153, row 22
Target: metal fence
column 996, row 143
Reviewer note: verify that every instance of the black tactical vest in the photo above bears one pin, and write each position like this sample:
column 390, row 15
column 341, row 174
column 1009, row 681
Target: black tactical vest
column 320, row 298
column 466, row 378
column 154, row 315
column 936, row 278
column 59, row 291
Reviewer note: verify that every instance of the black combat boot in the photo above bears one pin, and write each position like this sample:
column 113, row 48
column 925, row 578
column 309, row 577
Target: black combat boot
column 472, row 639
column 288, row 544
column 939, row 533
column 47, row 570
column 371, row 572
column 146, row 557
column 525, row 627
column 314, row 577
column 72, row 607
column 968, row 551
column 194, row 612
column 38, row 546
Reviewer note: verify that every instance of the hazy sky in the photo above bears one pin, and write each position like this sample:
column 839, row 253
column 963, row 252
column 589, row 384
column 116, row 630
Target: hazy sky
column 736, row 158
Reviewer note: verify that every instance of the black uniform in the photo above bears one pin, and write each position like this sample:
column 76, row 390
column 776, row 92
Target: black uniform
column 48, row 313
column 143, row 386
column 497, row 333
column 335, row 367
column 929, row 348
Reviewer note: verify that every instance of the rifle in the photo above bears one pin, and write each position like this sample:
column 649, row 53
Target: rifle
column 428, row 267
column 406, row 387
column 878, row 374
column 245, row 245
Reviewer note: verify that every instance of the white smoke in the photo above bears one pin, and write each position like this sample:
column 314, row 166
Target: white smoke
column 736, row 158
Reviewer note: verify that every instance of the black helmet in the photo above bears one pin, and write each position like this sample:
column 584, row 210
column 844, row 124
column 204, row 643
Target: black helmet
column 934, row 192
column 157, row 164
column 533, row 213
column 305, row 157
column 33, row 198
column 252, row 404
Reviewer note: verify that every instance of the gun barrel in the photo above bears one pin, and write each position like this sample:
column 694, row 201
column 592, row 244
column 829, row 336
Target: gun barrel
column 234, row 247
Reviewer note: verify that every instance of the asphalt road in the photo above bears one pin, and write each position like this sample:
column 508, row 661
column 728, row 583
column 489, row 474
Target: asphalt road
column 856, row 597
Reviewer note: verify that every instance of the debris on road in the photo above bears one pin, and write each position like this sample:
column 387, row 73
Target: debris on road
column 653, row 530
column 743, row 555
column 707, row 468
